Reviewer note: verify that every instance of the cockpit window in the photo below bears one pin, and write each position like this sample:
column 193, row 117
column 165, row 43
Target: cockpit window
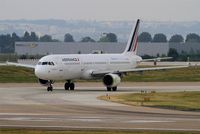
column 46, row 63
column 51, row 63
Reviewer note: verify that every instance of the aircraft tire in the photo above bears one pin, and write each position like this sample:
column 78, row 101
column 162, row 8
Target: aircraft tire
column 114, row 88
column 67, row 85
column 71, row 86
column 50, row 88
column 108, row 88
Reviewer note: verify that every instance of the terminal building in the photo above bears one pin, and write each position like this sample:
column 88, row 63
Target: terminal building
column 151, row 49
column 189, row 48
column 45, row 48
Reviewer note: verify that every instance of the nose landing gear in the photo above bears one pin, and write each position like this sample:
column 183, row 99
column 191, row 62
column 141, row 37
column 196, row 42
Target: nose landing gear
column 49, row 85
column 50, row 88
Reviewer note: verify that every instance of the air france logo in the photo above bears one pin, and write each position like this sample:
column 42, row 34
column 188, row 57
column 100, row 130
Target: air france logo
column 70, row 59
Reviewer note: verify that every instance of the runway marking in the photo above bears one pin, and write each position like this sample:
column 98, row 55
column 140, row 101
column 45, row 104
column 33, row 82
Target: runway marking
column 148, row 121
column 82, row 119
column 87, row 120
column 25, row 114
column 95, row 128
column 28, row 119
column 50, row 119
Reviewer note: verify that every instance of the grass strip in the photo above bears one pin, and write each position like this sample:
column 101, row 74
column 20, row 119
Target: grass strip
column 184, row 101
column 12, row 74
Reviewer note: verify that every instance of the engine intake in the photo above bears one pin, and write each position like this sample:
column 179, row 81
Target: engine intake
column 44, row 82
column 111, row 80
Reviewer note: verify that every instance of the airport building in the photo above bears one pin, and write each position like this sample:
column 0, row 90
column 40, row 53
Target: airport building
column 44, row 48
column 151, row 49
column 189, row 48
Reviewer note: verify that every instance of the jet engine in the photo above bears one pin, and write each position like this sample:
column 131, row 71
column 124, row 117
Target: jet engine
column 111, row 80
column 45, row 82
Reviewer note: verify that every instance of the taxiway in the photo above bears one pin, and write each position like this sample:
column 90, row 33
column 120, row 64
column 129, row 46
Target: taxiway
column 31, row 106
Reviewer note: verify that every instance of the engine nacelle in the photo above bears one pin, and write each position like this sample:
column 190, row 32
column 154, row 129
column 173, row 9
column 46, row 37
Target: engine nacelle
column 45, row 82
column 111, row 80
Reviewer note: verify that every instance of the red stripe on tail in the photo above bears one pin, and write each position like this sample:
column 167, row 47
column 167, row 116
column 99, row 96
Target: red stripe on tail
column 135, row 45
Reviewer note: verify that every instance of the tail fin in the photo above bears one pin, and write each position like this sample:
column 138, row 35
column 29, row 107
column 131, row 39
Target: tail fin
column 133, row 40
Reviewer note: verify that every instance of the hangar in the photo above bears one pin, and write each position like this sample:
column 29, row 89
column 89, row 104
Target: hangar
column 44, row 48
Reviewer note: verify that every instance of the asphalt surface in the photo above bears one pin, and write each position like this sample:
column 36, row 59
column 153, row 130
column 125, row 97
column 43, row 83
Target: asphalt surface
column 27, row 106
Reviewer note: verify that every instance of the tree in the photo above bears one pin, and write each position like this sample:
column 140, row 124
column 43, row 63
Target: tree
column 173, row 53
column 68, row 38
column 176, row 38
column 6, row 43
column 26, row 37
column 192, row 37
column 145, row 37
column 46, row 38
column 109, row 37
column 33, row 37
column 87, row 39
column 30, row 37
column 15, row 37
column 160, row 37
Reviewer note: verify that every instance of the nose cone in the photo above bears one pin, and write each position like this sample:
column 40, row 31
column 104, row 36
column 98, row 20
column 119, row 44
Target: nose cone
column 38, row 72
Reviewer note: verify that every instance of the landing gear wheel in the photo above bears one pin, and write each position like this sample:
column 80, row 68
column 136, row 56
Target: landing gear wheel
column 108, row 88
column 114, row 88
column 50, row 88
column 71, row 86
column 67, row 86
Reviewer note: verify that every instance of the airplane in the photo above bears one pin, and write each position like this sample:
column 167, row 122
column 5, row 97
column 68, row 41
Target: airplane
column 108, row 67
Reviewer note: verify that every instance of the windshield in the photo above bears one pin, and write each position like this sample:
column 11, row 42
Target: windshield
column 46, row 63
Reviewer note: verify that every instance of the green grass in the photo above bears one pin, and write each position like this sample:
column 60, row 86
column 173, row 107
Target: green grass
column 186, row 101
column 18, row 75
column 18, row 131
column 8, row 57
column 191, row 74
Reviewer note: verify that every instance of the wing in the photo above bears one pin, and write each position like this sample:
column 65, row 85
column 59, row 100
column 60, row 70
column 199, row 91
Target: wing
column 157, row 59
column 101, row 73
column 21, row 65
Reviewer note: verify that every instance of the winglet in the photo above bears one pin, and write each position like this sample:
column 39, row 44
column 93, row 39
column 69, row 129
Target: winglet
column 133, row 39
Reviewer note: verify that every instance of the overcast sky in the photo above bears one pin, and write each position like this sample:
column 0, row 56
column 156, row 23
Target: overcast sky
column 157, row 10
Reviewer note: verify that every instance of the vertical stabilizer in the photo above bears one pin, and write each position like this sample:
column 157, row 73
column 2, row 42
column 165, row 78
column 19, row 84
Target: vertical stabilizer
column 133, row 40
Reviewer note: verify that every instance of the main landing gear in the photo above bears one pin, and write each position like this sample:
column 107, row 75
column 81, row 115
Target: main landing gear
column 69, row 85
column 112, row 88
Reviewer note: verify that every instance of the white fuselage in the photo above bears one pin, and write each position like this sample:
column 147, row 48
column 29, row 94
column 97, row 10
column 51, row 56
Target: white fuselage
column 80, row 66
